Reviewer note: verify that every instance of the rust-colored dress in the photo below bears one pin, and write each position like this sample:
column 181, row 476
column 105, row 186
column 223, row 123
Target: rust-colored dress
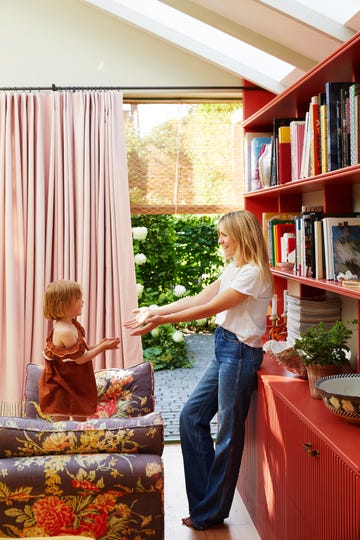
column 65, row 387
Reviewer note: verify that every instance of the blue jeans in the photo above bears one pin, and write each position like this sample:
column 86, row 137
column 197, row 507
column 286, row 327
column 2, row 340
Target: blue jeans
column 225, row 388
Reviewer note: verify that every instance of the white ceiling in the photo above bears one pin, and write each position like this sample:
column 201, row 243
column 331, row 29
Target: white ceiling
column 270, row 43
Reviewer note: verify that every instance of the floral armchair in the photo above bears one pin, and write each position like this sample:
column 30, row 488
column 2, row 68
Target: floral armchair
column 102, row 478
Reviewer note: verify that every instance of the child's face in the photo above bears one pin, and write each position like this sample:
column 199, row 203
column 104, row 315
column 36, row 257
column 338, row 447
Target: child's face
column 75, row 307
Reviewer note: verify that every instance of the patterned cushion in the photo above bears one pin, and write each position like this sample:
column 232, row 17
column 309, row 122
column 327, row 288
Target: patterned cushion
column 21, row 437
column 122, row 393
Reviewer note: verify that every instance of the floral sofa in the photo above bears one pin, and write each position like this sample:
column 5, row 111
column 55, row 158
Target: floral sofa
column 102, row 478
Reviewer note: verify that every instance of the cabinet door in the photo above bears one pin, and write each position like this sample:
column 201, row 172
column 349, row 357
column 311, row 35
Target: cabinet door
column 322, row 492
column 262, row 479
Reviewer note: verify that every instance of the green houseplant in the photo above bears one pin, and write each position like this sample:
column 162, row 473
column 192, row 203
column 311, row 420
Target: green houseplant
column 324, row 351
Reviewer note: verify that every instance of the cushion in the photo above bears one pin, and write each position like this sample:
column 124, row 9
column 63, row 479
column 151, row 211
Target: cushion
column 20, row 437
column 122, row 393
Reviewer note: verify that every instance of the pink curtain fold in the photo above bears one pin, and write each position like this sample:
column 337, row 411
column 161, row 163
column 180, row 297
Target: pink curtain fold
column 65, row 215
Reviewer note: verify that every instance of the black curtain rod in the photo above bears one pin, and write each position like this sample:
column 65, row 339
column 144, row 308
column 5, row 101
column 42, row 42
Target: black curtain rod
column 133, row 88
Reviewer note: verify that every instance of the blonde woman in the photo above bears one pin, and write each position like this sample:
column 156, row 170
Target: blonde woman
column 239, row 298
column 67, row 386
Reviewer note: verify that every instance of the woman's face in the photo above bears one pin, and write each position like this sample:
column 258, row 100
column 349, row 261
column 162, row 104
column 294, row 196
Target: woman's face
column 227, row 243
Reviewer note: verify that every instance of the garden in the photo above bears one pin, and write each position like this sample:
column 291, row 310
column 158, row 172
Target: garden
column 175, row 256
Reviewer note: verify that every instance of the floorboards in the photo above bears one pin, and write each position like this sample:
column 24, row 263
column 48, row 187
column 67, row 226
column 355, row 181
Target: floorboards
column 237, row 527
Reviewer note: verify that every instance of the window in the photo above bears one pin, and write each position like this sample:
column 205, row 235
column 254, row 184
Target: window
column 184, row 158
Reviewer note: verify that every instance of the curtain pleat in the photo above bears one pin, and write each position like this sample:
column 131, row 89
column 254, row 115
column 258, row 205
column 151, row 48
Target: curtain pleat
column 65, row 215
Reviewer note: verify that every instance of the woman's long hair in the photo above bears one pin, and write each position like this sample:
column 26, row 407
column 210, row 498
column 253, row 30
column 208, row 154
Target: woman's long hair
column 243, row 227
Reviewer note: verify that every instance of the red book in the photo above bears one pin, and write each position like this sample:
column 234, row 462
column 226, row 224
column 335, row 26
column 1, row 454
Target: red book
column 284, row 155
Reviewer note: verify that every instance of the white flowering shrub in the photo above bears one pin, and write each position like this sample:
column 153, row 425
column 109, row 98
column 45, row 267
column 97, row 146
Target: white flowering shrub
column 179, row 290
column 140, row 258
column 174, row 256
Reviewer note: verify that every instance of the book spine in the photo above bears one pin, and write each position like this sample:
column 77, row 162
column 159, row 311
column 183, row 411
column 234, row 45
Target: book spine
column 315, row 159
column 284, row 155
column 323, row 138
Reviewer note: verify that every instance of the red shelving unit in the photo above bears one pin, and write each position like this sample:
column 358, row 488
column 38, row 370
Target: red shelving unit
column 289, row 492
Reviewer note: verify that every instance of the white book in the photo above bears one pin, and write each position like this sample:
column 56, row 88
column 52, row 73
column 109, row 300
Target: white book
column 319, row 253
column 305, row 161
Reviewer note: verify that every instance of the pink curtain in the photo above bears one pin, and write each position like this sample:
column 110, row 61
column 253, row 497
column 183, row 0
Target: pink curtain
column 65, row 215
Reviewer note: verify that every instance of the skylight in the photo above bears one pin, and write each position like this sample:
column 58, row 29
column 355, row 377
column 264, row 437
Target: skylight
column 240, row 58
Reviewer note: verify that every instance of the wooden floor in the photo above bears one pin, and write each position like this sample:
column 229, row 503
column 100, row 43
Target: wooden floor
column 237, row 527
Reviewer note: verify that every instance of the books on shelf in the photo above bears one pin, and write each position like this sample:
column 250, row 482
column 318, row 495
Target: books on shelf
column 269, row 220
column 354, row 121
column 325, row 139
column 277, row 124
column 333, row 96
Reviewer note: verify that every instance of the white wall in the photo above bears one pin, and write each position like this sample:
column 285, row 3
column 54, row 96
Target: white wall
column 69, row 43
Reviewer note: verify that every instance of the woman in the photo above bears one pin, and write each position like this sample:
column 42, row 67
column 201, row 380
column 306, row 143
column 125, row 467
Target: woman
column 239, row 298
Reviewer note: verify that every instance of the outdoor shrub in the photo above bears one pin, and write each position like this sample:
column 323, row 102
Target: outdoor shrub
column 174, row 256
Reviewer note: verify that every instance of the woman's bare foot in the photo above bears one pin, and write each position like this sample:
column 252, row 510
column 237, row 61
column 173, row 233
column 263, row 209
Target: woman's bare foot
column 187, row 521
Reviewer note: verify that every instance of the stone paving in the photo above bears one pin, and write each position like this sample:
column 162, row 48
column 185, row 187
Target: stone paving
column 173, row 386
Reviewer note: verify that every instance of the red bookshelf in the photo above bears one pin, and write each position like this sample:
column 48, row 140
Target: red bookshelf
column 288, row 492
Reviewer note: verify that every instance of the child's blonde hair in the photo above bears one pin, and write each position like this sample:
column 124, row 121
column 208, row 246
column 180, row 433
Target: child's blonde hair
column 58, row 297
column 243, row 227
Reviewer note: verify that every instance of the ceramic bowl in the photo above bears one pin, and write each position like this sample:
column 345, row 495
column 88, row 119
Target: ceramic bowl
column 341, row 395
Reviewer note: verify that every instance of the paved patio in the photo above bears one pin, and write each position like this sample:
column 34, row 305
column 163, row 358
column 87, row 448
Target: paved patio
column 173, row 387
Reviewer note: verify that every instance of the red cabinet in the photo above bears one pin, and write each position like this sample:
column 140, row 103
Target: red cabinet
column 300, row 474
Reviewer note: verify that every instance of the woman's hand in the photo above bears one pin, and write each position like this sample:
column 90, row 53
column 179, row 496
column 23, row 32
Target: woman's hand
column 141, row 317
column 151, row 323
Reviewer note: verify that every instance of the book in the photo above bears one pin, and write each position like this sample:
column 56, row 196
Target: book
column 332, row 91
column 344, row 128
column 305, row 158
column 323, row 134
column 315, row 148
column 297, row 130
column 252, row 178
column 319, row 250
column 284, row 155
column 346, row 249
column 257, row 147
column 329, row 222
column 288, row 246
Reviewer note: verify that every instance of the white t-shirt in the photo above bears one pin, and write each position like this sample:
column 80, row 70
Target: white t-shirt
column 248, row 318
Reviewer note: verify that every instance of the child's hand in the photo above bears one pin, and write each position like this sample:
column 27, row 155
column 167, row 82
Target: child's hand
column 111, row 343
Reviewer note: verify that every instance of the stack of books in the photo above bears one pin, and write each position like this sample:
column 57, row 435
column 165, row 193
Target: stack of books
column 305, row 312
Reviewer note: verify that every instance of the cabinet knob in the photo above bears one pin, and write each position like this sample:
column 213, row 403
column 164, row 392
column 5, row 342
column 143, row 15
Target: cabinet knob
column 307, row 447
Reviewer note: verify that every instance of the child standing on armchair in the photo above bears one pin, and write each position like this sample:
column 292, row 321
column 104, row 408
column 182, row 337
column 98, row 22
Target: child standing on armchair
column 67, row 386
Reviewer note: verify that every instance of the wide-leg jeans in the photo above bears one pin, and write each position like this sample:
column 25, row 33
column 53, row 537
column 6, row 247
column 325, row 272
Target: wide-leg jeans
column 225, row 388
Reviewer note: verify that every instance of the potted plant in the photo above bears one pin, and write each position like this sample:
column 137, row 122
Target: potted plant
column 324, row 351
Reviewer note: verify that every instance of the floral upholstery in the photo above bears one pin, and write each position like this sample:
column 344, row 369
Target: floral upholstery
column 121, row 392
column 102, row 478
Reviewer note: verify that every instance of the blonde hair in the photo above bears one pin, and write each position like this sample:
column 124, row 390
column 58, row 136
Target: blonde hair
column 58, row 297
column 243, row 227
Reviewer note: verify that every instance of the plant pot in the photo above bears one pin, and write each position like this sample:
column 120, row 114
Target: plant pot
column 317, row 371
